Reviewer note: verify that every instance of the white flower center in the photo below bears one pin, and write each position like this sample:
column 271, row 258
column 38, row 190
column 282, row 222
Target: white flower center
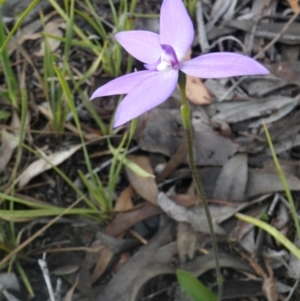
column 168, row 59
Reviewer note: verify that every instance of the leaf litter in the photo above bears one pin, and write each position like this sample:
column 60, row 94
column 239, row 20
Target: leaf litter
column 231, row 151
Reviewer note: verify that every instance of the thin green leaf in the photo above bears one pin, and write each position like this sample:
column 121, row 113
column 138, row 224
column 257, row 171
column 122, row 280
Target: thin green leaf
column 95, row 23
column 19, row 22
column 19, row 215
column 194, row 288
column 99, row 193
column 74, row 42
column 137, row 169
column 31, row 204
column 10, row 78
column 131, row 165
column 69, row 34
column 271, row 230
column 4, row 114
column 76, row 29
column 25, row 279
column 283, row 181
column 93, row 112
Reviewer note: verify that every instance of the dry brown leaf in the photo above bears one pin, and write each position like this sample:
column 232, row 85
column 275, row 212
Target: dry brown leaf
column 27, row 32
column 294, row 5
column 174, row 161
column 124, row 257
column 66, row 269
column 102, row 263
column 196, row 92
column 269, row 286
column 124, row 201
column 120, row 286
column 186, row 241
column 232, row 181
column 262, row 182
column 53, row 28
column 145, row 187
column 123, row 221
column 70, row 292
column 8, row 143
column 185, row 200
column 40, row 165
column 45, row 110
column 196, row 216
column 294, row 263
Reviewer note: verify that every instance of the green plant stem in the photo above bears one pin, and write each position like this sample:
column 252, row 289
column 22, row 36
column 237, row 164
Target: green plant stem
column 185, row 114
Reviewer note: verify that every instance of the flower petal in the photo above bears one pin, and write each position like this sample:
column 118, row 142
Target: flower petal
column 143, row 45
column 222, row 64
column 152, row 66
column 150, row 93
column 176, row 27
column 122, row 85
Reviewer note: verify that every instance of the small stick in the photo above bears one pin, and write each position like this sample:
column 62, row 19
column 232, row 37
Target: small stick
column 45, row 271
column 7, row 295
column 202, row 37
column 278, row 36
column 267, row 47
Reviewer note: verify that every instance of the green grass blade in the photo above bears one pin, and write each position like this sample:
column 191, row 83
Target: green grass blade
column 31, row 204
column 74, row 42
column 76, row 29
column 69, row 34
column 283, row 181
column 19, row 23
column 95, row 23
column 10, row 78
column 20, row 215
column 101, row 29
column 24, row 279
column 272, row 231
column 115, row 168
column 96, row 188
column 4, row 115
column 132, row 6
column 101, row 195
column 94, row 114
column 91, row 70
column 131, row 165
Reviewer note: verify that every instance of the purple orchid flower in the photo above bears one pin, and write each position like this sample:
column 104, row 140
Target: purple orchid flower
column 162, row 54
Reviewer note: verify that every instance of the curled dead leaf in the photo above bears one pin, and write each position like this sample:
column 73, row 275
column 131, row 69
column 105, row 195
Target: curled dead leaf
column 10, row 140
column 53, row 28
column 294, row 5
column 8, row 143
column 144, row 186
column 196, row 91
column 40, row 165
